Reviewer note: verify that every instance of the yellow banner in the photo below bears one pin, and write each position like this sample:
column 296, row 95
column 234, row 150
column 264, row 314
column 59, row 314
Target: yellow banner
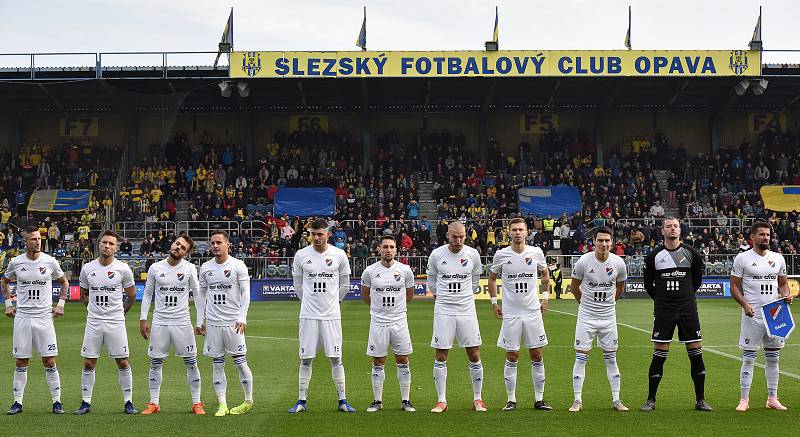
column 79, row 127
column 506, row 63
column 785, row 198
column 537, row 123
column 302, row 123
column 757, row 123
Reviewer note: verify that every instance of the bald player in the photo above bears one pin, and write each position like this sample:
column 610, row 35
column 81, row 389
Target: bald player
column 453, row 272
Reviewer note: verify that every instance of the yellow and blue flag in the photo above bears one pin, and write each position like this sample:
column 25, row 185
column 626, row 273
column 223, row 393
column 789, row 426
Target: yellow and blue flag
column 361, row 41
column 59, row 200
column 782, row 198
column 227, row 37
column 496, row 32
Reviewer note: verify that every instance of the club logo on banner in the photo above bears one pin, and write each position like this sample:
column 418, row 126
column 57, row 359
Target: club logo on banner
column 778, row 319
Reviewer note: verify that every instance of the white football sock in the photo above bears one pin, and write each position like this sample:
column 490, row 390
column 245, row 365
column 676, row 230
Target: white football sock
column 510, row 377
column 155, row 377
column 245, row 377
column 578, row 375
column 337, row 373
column 220, row 380
column 378, row 377
column 612, row 372
column 54, row 382
column 476, row 372
column 20, row 380
column 126, row 383
column 746, row 374
column 193, row 378
column 440, row 379
column 87, row 385
column 305, row 378
column 537, row 374
column 772, row 372
column 404, row 378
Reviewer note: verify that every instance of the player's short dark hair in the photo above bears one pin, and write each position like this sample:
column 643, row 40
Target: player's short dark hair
column 188, row 240
column 318, row 224
column 758, row 225
column 109, row 233
column 516, row 220
column 388, row 237
column 604, row 230
column 220, row 232
column 28, row 229
column 672, row 217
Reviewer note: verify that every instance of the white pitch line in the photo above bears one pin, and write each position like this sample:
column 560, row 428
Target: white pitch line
column 705, row 348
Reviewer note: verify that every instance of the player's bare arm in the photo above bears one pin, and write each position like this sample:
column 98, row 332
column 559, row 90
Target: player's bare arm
column 576, row 289
column 783, row 289
column 620, row 290
column 492, row 283
column 58, row 310
column 365, row 294
column 85, row 296
column 736, row 292
column 130, row 293
column 11, row 311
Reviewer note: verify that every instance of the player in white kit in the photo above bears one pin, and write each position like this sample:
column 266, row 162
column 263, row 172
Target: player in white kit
column 222, row 303
column 519, row 267
column 759, row 277
column 387, row 286
column 103, row 283
column 169, row 283
column 33, row 316
column 598, row 280
column 453, row 272
column 321, row 275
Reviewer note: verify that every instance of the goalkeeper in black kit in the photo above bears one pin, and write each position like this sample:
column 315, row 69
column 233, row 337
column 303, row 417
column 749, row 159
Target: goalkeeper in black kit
column 673, row 272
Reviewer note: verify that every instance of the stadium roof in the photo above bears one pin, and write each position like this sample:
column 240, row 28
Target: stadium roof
column 194, row 89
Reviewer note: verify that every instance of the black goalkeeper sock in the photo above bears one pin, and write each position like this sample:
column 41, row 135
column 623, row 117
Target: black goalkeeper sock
column 698, row 372
column 656, row 372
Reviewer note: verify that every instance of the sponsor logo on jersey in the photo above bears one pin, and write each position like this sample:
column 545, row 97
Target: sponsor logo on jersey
column 591, row 271
column 328, row 262
column 397, row 277
column 308, row 262
column 463, row 262
column 93, row 274
column 609, row 271
column 377, row 276
column 161, row 275
column 181, row 276
column 528, row 261
column 754, row 265
column 227, row 273
column 23, row 269
column 110, row 275
column 42, row 270
column 509, row 262
column 444, row 262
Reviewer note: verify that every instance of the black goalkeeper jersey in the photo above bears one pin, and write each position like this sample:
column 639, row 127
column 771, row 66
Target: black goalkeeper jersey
column 671, row 278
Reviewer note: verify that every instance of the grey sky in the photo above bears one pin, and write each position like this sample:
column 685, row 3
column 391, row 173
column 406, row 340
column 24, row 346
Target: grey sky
column 183, row 25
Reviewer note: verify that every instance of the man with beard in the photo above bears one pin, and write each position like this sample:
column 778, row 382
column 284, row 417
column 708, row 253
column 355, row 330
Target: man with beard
column 169, row 282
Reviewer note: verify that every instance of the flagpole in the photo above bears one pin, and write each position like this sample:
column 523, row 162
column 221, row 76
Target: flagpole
column 364, row 47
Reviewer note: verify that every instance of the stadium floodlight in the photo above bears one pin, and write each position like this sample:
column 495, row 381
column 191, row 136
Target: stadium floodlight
column 759, row 86
column 225, row 88
column 741, row 87
column 244, row 89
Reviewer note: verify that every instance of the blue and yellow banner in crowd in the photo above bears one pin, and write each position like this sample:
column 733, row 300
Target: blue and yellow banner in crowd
column 505, row 63
column 783, row 198
column 60, row 200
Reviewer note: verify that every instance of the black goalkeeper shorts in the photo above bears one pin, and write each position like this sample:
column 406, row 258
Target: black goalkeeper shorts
column 688, row 327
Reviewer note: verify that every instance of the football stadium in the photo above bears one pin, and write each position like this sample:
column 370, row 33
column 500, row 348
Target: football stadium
column 184, row 236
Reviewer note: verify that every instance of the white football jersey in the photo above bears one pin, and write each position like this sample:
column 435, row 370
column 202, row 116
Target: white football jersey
column 34, row 286
column 106, row 285
column 321, row 272
column 759, row 276
column 598, row 284
column 453, row 274
column 519, row 273
column 387, row 290
column 224, row 286
column 169, row 286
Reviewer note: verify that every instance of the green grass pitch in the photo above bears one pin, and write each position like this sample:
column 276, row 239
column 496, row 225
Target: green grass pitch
column 273, row 358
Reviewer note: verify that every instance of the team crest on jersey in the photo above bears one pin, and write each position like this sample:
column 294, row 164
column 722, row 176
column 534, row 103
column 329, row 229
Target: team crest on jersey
column 227, row 273
column 42, row 270
column 528, row 261
column 771, row 263
column 397, row 277
column 683, row 258
column 328, row 262
column 110, row 275
column 181, row 276
column 609, row 271
column 463, row 262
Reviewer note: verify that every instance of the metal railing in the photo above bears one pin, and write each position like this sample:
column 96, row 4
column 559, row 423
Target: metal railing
column 201, row 230
column 91, row 65
column 139, row 230
column 281, row 267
